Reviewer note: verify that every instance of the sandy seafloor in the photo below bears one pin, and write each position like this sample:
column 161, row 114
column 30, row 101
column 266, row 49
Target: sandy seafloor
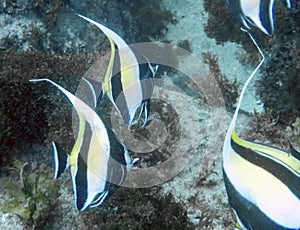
column 191, row 20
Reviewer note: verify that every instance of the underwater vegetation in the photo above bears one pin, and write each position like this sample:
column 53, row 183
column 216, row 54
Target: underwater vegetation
column 33, row 196
column 41, row 25
column 138, row 209
column 229, row 90
column 265, row 127
column 278, row 88
column 294, row 134
column 150, row 22
column 138, row 21
column 28, row 116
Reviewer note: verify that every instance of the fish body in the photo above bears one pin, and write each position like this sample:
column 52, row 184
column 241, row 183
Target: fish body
column 129, row 89
column 263, row 186
column 98, row 162
column 262, row 182
column 257, row 12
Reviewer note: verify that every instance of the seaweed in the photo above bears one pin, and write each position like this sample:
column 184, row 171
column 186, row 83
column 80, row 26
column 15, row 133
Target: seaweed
column 34, row 197
column 210, row 218
column 150, row 23
column 207, row 217
column 266, row 127
column 294, row 134
column 138, row 209
column 47, row 22
column 279, row 87
column 144, row 21
column 31, row 114
column 221, row 24
column 228, row 89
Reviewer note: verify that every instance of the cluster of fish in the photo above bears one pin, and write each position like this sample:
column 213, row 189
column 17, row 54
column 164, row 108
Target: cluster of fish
column 262, row 182
column 99, row 161
column 258, row 13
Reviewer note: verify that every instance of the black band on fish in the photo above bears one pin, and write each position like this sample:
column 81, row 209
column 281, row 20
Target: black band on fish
column 247, row 212
column 119, row 98
column 81, row 184
column 267, row 162
column 266, row 11
column 61, row 160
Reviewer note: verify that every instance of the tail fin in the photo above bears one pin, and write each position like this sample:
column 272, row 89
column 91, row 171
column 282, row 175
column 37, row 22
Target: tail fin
column 61, row 160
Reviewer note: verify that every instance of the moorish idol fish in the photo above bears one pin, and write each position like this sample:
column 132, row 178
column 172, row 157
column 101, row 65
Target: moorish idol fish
column 98, row 162
column 132, row 88
column 255, row 12
column 262, row 182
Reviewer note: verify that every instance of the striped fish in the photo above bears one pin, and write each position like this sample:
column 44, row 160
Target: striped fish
column 98, row 163
column 258, row 13
column 262, row 182
column 132, row 88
